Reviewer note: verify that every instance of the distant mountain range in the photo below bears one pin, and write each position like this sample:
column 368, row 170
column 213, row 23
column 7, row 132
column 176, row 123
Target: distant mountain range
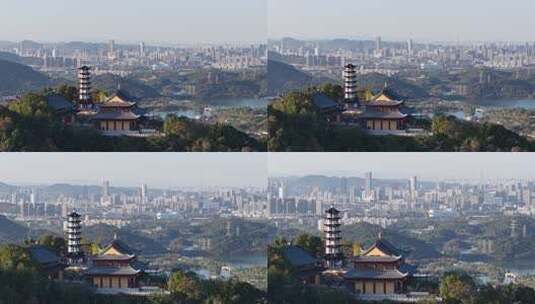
column 11, row 232
column 16, row 78
column 282, row 77
column 6, row 187
column 103, row 234
column 111, row 83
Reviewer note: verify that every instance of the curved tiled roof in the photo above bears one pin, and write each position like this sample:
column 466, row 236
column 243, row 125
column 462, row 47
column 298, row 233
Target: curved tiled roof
column 323, row 101
column 116, row 115
column 59, row 103
column 113, row 257
column 298, row 256
column 392, row 274
column 126, row 270
column 119, row 246
column 385, row 246
column 377, row 259
column 386, row 103
column 383, row 115
column 43, row 255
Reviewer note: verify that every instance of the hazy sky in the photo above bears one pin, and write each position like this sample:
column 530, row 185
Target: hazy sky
column 427, row 166
column 471, row 20
column 131, row 169
column 134, row 20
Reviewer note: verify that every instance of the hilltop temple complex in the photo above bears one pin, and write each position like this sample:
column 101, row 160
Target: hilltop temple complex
column 117, row 115
column 115, row 269
column 116, row 266
column 377, row 273
column 381, row 113
column 374, row 112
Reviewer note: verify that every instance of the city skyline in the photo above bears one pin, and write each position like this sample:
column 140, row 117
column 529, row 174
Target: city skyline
column 167, row 22
column 427, row 166
column 158, row 170
column 400, row 20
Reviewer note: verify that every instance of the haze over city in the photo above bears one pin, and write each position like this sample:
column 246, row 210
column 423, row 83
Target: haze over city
column 428, row 166
column 168, row 21
column 476, row 20
column 165, row 170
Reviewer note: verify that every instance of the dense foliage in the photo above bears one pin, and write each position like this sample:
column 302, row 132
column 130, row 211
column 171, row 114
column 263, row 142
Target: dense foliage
column 188, row 288
column 284, row 287
column 452, row 287
column 16, row 78
column 31, row 125
column 460, row 288
column 22, row 282
column 295, row 125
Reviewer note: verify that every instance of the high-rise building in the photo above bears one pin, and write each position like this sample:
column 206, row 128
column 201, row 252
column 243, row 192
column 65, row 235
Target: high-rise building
column 368, row 182
column 378, row 44
column 142, row 197
column 111, row 49
column 413, row 187
column 106, row 188
column 143, row 193
column 282, row 191
column 409, row 47
column 333, row 248
column 141, row 49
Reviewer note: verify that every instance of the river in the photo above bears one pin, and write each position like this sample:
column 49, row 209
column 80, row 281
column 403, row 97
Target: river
column 237, row 262
column 252, row 103
column 506, row 103
column 528, row 104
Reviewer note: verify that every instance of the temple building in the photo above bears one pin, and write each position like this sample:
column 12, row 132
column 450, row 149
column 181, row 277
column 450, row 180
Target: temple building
column 116, row 266
column 379, row 113
column 119, row 114
column 376, row 274
column 48, row 261
column 380, row 269
column 62, row 107
column 307, row 267
column 383, row 112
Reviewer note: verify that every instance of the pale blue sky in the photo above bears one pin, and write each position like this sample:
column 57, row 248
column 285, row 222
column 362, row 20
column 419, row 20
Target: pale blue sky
column 131, row 169
column 471, row 20
column 134, row 20
column 427, row 166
